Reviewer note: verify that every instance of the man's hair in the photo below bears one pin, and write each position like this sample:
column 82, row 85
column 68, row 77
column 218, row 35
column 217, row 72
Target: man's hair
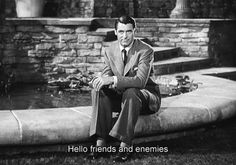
column 125, row 19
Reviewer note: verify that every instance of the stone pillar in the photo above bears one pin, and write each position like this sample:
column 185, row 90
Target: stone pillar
column 182, row 9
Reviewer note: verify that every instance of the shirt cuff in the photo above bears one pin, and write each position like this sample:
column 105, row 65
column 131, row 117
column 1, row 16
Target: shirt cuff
column 115, row 82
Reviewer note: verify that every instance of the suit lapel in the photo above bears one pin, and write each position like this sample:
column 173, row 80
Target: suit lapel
column 131, row 58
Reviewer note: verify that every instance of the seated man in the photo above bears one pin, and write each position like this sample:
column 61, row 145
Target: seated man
column 124, row 86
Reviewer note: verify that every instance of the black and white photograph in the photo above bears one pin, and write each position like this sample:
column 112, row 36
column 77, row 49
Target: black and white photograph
column 110, row 82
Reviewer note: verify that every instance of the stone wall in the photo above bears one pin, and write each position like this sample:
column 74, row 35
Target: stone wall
column 189, row 34
column 213, row 38
column 36, row 50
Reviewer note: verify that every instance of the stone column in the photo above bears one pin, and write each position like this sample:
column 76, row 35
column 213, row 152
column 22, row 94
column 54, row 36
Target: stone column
column 182, row 9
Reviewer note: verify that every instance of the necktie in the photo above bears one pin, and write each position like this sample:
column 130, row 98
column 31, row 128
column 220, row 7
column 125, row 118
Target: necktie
column 125, row 56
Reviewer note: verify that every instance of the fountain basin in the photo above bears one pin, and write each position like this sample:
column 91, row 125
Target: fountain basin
column 212, row 102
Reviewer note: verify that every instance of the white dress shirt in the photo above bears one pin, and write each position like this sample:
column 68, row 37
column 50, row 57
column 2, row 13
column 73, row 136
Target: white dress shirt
column 127, row 50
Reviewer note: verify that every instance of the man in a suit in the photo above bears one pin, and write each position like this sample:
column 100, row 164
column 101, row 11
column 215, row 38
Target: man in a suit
column 124, row 86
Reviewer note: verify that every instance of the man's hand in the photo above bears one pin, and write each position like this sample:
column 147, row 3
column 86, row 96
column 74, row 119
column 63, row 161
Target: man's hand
column 99, row 82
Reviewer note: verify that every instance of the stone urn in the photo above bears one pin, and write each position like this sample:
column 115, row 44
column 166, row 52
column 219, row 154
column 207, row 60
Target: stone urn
column 182, row 10
column 29, row 8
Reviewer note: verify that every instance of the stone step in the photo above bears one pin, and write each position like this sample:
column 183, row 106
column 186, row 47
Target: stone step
column 108, row 33
column 106, row 43
column 102, row 31
column 162, row 53
column 146, row 40
column 180, row 64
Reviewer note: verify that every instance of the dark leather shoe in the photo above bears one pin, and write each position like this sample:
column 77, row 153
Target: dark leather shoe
column 122, row 157
column 93, row 155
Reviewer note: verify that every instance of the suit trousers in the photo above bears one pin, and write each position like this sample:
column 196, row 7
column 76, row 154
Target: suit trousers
column 129, row 103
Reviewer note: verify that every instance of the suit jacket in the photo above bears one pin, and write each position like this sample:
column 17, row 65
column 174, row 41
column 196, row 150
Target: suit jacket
column 136, row 72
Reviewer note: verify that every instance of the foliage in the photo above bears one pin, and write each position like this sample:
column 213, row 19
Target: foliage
column 6, row 80
column 175, row 86
column 78, row 82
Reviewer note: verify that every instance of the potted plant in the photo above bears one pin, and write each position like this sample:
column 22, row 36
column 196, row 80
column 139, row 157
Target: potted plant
column 29, row 8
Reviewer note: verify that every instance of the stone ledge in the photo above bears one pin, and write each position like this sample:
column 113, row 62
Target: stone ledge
column 109, row 22
column 104, row 22
column 163, row 53
column 180, row 60
column 50, row 21
column 182, row 21
column 210, row 103
column 180, row 64
column 102, row 32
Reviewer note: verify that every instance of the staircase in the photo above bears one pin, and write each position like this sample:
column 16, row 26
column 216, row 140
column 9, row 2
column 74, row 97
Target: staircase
column 167, row 60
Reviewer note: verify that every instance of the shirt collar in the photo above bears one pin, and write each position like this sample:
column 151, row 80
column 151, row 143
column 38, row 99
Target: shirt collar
column 126, row 48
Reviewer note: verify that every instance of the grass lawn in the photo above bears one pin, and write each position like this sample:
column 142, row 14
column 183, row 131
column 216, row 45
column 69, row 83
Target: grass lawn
column 216, row 145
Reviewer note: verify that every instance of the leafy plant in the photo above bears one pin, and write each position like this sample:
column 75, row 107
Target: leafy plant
column 6, row 80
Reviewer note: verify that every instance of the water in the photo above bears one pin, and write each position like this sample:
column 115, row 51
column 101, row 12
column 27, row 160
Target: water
column 31, row 96
column 39, row 96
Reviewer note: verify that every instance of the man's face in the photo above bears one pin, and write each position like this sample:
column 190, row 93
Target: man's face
column 125, row 34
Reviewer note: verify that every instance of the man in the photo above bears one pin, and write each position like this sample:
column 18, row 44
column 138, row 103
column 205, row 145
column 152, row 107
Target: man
column 124, row 86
